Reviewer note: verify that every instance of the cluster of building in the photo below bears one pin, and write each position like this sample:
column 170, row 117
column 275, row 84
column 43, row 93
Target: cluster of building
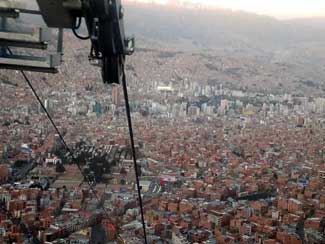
column 218, row 165
column 252, row 184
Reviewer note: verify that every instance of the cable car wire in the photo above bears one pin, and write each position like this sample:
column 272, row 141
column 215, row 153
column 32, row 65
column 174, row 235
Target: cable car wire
column 60, row 136
column 129, row 119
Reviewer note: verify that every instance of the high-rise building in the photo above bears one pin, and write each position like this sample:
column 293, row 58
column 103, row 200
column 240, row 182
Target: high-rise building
column 193, row 111
column 117, row 95
column 4, row 174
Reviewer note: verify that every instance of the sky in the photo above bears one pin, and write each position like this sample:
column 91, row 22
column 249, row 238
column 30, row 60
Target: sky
column 277, row 8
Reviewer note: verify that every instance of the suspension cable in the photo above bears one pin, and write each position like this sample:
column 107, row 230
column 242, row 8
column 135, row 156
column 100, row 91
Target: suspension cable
column 61, row 137
column 129, row 119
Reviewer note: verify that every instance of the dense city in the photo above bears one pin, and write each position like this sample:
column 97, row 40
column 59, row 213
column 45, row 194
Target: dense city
column 217, row 166
column 219, row 162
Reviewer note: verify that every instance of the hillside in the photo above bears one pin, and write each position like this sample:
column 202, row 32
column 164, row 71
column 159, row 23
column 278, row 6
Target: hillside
column 217, row 28
column 238, row 49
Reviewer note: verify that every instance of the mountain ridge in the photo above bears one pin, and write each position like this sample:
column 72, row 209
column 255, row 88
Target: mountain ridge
column 212, row 28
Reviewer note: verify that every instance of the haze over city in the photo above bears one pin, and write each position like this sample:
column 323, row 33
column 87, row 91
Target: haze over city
column 276, row 8
column 227, row 104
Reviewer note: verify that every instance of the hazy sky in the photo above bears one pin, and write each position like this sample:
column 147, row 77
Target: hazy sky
column 276, row 8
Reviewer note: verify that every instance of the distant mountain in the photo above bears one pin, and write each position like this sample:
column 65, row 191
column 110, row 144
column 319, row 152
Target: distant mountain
column 183, row 28
column 238, row 49
column 218, row 28
column 315, row 22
